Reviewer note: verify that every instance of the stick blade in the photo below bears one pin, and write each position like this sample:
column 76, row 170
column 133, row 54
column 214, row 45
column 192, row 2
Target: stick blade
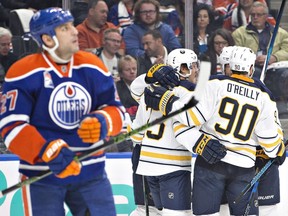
column 204, row 75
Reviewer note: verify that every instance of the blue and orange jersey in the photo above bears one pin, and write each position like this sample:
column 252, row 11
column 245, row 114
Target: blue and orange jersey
column 43, row 101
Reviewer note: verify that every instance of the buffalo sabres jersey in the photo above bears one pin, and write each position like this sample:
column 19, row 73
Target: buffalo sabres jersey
column 137, row 87
column 238, row 111
column 43, row 101
column 160, row 152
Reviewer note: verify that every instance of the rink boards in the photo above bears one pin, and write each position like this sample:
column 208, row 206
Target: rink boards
column 119, row 169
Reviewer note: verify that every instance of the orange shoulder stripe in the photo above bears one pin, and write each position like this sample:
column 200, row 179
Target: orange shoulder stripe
column 83, row 57
column 26, row 64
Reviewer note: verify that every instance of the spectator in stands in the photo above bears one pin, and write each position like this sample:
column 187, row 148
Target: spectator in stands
column 79, row 10
column 109, row 53
column 155, row 51
column 219, row 39
column 121, row 14
column 217, row 12
column 147, row 17
column 172, row 12
column 257, row 35
column 92, row 28
column 203, row 20
column 127, row 67
column 7, row 58
column 238, row 14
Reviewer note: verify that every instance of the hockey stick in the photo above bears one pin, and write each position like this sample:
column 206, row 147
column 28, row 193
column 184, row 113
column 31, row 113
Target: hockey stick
column 202, row 80
column 251, row 197
column 145, row 195
column 270, row 48
column 257, row 177
column 254, row 180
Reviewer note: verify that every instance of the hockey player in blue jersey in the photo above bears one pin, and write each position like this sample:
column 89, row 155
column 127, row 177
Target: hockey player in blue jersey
column 55, row 105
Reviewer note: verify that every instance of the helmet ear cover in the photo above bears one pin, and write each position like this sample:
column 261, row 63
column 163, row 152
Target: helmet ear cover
column 181, row 56
column 242, row 59
column 45, row 21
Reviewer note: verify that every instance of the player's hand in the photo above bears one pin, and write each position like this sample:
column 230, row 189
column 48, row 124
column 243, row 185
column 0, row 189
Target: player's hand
column 261, row 158
column 165, row 75
column 281, row 155
column 60, row 159
column 93, row 127
column 159, row 98
column 210, row 149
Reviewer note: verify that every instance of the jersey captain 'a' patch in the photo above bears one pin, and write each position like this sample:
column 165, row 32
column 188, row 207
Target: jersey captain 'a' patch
column 68, row 102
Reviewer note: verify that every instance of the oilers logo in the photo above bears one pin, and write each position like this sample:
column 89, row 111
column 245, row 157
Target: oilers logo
column 68, row 102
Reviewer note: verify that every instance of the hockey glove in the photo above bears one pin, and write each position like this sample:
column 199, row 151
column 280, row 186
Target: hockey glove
column 60, row 159
column 93, row 127
column 165, row 75
column 281, row 155
column 159, row 98
column 261, row 158
column 210, row 149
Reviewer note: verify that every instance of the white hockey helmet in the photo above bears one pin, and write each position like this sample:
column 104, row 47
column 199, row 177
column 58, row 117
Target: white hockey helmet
column 225, row 56
column 180, row 56
column 242, row 59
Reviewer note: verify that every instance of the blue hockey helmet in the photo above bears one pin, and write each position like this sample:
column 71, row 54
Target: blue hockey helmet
column 45, row 21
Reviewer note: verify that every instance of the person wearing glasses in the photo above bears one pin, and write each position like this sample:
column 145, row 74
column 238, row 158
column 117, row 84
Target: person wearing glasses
column 91, row 30
column 109, row 52
column 257, row 35
column 219, row 39
column 238, row 14
column 146, row 18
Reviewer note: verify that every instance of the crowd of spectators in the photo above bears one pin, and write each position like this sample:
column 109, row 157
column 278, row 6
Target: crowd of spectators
column 147, row 30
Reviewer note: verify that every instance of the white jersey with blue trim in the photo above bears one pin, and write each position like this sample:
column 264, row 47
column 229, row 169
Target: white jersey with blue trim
column 238, row 111
column 160, row 151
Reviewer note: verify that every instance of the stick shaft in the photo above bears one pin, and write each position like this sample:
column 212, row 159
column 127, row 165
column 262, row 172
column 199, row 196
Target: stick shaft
column 254, row 180
column 270, row 48
column 145, row 193
column 203, row 78
column 105, row 144
column 251, row 198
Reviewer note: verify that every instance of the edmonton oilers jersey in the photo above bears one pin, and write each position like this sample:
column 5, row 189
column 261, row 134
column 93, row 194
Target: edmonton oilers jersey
column 44, row 101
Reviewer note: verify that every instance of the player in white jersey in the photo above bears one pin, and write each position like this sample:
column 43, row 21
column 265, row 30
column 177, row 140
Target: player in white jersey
column 269, row 184
column 239, row 112
column 166, row 163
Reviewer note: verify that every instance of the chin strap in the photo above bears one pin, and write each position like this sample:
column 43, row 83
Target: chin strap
column 51, row 51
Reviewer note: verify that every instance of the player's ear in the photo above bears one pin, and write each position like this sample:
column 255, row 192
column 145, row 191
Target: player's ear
column 48, row 41
column 251, row 72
